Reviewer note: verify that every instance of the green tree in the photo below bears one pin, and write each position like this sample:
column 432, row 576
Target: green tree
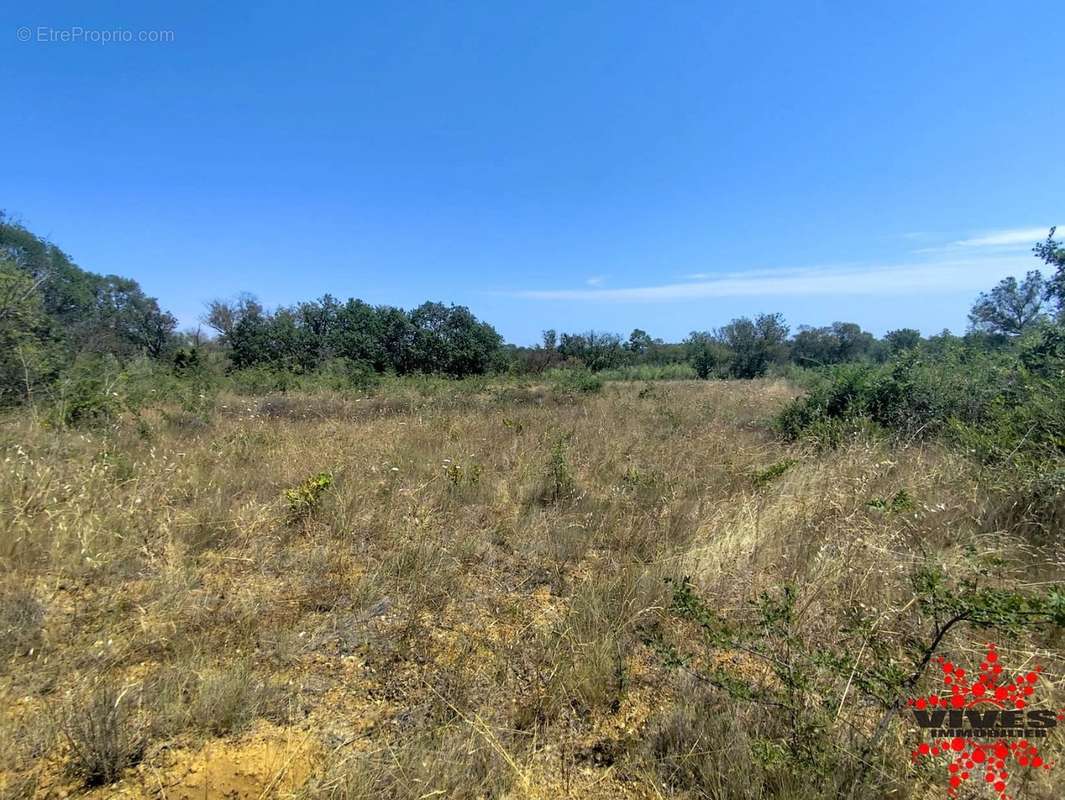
column 755, row 344
column 223, row 315
column 27, row 348
column 87, row 312
column 1011, row 307
column 902, row 339
column 451, row 340
column 397, row 338
column 247, row 333
column 708, row 356
column 1053, row 255
column 639, row 343
column 835, row 344
column 127, row 322
column 597, row 350
column 358, row 335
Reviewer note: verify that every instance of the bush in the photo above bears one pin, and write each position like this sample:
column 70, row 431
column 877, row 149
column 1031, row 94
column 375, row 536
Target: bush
column 262, row 380
column 574, row 380
column 343, row 373
column 911, row 396
column 1005, row 407
column 303, row 500
column 651, row 372
column 102, row 735
column 20, row 621
column 226, row 700
column 559, row 482
column 95, row 390
column 87, row 393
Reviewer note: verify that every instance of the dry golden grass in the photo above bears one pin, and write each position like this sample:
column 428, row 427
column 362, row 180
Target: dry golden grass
column 476, row 606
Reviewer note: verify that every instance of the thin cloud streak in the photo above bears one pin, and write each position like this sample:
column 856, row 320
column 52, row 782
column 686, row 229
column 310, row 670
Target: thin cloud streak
column 1006, row 238
column 901, row 279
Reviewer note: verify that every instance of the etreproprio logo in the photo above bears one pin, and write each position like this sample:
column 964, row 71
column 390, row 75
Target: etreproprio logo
column 984, row 729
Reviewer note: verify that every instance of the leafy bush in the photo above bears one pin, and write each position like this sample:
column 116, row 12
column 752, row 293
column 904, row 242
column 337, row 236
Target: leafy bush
column 559, row 482
column 344, row 373
column 262, row 380
column 1004, row 407
column 900, row 501
column 913, row 395
column 574, row 380
column 304, row 499
column 87, row 393
column 651, row 372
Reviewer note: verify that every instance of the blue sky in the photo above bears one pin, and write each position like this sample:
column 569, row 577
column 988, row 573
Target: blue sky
column 559, row 164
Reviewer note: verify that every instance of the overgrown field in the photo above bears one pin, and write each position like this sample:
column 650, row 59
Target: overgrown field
column 452, row 590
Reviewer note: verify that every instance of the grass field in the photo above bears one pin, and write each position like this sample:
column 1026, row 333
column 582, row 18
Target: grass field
column 450, row 590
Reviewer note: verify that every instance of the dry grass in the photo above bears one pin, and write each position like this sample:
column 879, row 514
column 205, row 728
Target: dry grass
column 477, row 605
column 102, row 734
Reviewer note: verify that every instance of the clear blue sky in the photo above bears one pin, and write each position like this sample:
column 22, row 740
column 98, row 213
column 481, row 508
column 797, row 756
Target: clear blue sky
column 556, row 164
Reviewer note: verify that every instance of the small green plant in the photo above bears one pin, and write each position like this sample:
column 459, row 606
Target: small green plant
column 635, row 479
column 632, row 477
column 900, row 501
column 303, row 500
column 762, row 477
column 794, row 737
column 459, row 476
column 559, row 482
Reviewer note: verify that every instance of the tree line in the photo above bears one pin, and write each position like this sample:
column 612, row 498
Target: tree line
column 432, row 338
column 54, row 315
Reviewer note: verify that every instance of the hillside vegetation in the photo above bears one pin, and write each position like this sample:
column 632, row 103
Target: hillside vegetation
column 341, row 551
column 478, row 589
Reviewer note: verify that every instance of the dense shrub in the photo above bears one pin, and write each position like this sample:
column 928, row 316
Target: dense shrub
column 574, row 381
column 1004, row 406
column 650, row 372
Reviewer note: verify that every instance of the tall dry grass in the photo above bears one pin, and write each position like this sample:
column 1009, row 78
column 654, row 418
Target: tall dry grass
column 483, row 601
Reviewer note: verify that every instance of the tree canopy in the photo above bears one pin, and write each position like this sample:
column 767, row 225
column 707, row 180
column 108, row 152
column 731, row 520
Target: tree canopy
column 432, row 338
column 1011, row 307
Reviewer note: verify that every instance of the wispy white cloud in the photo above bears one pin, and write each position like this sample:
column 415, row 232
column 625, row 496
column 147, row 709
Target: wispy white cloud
column 930, row 276
column 1005, row 238
column 595, row 280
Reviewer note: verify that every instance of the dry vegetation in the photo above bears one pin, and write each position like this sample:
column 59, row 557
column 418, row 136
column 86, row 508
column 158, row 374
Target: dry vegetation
column 446, row 592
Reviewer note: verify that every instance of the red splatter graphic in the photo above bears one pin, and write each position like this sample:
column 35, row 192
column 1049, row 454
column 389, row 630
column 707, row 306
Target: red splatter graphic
column 992, row 762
